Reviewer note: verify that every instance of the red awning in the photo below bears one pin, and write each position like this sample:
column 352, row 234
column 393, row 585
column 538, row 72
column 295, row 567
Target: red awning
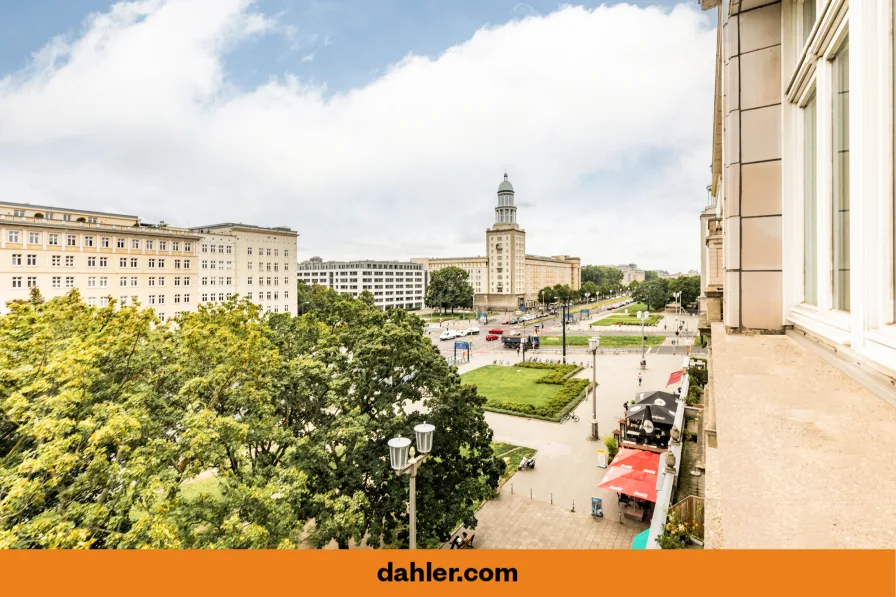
column 633, row 472
column 634, row 483
column 674, row 378
column 637, row 460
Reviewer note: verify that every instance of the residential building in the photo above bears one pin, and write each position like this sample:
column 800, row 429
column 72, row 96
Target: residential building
column 507, row 278
column 630, row 273
column 105, row 256
column 252, row 261
column 394, row 284
column 798, row 296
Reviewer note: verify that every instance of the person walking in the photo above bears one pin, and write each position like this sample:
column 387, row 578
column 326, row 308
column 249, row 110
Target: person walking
column 639, row 380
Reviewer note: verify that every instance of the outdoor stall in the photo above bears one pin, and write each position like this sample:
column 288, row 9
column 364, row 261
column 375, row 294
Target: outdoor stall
column 632, row 475
column 649, row 419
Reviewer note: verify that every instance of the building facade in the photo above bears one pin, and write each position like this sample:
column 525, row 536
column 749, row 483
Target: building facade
column 630, row 273
column 252, row 261
column 802, row 174
column 506, row 278
column 104, row 255
column 394, row 284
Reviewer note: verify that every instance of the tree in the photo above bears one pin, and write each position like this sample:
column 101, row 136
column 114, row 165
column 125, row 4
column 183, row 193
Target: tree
column 689, row 286
column 650, row 275
column 633, row 285
column 591, row 288
column 449, row 288
column 367, row 297
column 107, row 416
column 655, row 294
column 600, row 274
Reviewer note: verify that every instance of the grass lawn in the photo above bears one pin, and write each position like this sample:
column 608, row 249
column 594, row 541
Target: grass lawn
column 605, row 341
column 511, row 384
column 630, row 319
column 514, row 453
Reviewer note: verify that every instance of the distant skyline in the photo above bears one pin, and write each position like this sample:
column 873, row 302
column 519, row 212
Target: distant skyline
column 377, row 130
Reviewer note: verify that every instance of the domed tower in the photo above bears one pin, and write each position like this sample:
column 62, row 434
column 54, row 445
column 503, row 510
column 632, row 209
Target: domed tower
column 505, row 213
column 506, row 251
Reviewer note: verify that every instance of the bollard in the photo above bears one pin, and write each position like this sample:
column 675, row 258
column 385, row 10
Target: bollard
column 511, row 489
column 552, row 498
column 530, row 493
column 573, row 505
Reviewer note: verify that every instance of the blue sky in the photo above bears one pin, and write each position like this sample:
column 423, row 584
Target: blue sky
column 390, row 91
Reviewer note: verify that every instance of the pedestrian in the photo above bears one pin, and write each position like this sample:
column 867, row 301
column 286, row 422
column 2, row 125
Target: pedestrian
column 639, row 380
column 689, row 351
column 625, row 405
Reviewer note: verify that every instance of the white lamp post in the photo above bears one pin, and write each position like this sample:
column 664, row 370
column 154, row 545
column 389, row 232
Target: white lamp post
column 399, row 447
column 643, row 315
column 593, row 345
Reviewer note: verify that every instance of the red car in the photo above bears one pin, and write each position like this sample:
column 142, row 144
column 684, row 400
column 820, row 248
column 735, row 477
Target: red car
column 506, row 322
column 491, row 337
column 497, row 331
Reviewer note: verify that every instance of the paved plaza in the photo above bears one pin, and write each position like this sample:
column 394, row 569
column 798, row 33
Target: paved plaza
column 517, row 522
column 566, row 472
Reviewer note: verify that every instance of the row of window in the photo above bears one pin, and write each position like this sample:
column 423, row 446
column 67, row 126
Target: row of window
column 225, row 296
column 266, row 252
column 261, row 281
column 221, row 265
column 221, row 249
column 153, row 299
column 344, row 274
column 31, row 259
column 71, row 240
column 221, row 281
column 50, row 215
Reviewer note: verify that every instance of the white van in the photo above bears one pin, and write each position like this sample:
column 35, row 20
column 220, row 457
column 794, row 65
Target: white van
column 448, row 335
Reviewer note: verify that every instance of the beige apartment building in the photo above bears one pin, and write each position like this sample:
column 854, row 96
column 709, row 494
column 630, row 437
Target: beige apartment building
column 104, row 255
column 506, row 277
column 799, row 265
column 252, row 261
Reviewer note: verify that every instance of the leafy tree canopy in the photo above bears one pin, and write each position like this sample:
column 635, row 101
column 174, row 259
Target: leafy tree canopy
column 449, row 288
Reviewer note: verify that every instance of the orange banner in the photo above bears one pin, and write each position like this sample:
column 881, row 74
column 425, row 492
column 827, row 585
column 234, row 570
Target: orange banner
column 433, row 573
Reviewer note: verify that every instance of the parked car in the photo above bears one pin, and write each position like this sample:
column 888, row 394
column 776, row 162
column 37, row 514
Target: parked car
column 462, row 333
column 497, row 331
column 506, row 322
column 474, row 331
column 448, row 335
column 491, row 337
column 515, row 332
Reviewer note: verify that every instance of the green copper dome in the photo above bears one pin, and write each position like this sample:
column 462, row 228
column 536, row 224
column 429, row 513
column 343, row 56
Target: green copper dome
column 505, row 186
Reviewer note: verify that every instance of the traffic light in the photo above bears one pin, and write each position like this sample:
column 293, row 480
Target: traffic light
column 645, row 338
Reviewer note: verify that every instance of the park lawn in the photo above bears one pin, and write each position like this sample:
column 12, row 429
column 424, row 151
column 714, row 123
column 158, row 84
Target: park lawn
column 605, row 341
column 630, row 319
column 511, row 384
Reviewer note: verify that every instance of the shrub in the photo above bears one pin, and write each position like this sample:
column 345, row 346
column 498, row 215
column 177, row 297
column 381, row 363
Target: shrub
column 698, row 375
column 695, row 395
column 612, row 446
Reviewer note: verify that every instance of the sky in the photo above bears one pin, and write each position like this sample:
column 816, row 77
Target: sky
column 377, row 130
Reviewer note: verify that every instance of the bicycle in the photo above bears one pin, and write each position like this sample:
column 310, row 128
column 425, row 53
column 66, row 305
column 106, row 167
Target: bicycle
column 568, row 416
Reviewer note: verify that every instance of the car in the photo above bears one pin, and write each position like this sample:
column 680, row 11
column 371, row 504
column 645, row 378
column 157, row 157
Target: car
column 491, row 337
column 474, row 331
column 462, row 333
column 515, row 332
column 448, row 335
column 497, row 331
column 507, row 322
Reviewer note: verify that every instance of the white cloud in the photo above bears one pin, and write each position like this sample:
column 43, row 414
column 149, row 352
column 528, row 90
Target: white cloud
column 308, row 57
column 602, row 118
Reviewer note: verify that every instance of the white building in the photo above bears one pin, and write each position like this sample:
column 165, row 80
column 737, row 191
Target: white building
column 251, row 261
column 630, row 273
column 394, row 284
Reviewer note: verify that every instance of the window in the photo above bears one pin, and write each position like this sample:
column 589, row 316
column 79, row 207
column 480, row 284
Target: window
column 808, row 19
column 150, row 245
column 56, row 260
column 69, row 281
column 175, row 245
column 212, row 265
column 161, row 263
column 186, row 281
column 204, row 249
column 213, row 281
column 123, row 281
column 163, row 245
column 53, row 239
column 69, row 261
column 122, row 301
column 92, row 220
column 250, row 250
column 91, row 262
column 188, row 247
column 57, row 281
column 205, row 265
column 229, row 250
column 286, row 252
column 17, row 281
column 12, row 236
column 104, row 301
column 221, row 296
column 250, row 265
column 152, row 263
column 91, row 282
column 177, row 299
column 32, row 259
column 229, row 281
column 249, row 295
column 186, row 264
column 268, row 253
column 229, row 265
column 135, row 300
column 220, row 248
column 152, row 299
column 34, row 238
column 104, row 262
column 122, row 262
column 177, row 264
column 105, row 242
column 276, row 251
column 249, row 280
column 161, row 299
column 119, row 242
column 91, row 301
column 186, row 298
column 17, row 259
column 161, row 280
column 133, row 262
column 88, row 241
column 133, row 281
column 840, row 181
column 177, row 280
column 204, row 298
column 104, row 282
column 204, row 281
column 135, row 243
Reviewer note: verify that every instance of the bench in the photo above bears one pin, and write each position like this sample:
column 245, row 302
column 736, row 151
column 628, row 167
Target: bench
column 468, row 542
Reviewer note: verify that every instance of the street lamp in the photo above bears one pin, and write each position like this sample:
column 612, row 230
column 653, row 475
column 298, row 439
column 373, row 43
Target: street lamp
column 593, row 345
column 398, row 458
column 643, row 316
column 302, row 305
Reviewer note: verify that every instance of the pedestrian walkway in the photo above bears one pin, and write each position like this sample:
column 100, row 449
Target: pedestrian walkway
column 517, row 522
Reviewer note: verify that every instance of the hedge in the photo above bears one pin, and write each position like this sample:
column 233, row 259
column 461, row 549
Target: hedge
column 572, row 392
